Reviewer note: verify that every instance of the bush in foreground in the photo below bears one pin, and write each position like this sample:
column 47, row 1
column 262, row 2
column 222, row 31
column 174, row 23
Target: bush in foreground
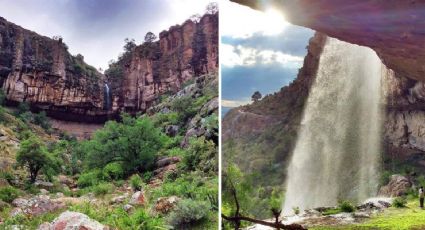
column 399, row 202
column 9, row 193
column 188, row 212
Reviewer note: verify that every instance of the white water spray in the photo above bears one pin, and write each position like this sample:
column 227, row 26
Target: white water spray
column 337, row 153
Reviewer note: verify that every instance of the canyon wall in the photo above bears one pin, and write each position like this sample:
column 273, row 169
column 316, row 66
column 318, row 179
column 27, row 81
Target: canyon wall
column 41, row 71
column 160, row 68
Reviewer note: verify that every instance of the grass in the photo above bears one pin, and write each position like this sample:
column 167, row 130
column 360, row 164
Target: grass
column 411, row 217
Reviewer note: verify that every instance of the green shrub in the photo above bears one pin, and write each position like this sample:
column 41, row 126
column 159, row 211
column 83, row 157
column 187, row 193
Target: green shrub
column 89, row 178
column 399, row 202
column 102, row 189
column 136, row 182
column 188, row 212
column 42, row 120
column 346, row 206
column 201, row 155
column 9, row 193
column 113, row 171
column 147, row 176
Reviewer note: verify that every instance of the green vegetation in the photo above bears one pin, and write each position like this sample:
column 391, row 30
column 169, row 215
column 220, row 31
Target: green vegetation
column 9, row 193
column 188, row 212
column 136, row 182
column 121, row 154
column 399, row 202
column 411, row 217
column 34, row 156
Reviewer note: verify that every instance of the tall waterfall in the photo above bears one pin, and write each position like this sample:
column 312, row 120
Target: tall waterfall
column 337, row 153
column 107, row 96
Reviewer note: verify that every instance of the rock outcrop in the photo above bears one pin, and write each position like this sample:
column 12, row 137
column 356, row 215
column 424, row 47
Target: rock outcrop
column 41, row 71
column 398, row 186
column 157, row 68
column 72, row 220
column 394, row 29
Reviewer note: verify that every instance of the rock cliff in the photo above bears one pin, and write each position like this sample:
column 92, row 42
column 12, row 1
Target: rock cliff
column 41, row 71
column 157, row 68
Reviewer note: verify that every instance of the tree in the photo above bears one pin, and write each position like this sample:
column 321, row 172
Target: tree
column 150, row 37
column 256, row 96
column 34, row 156
column 133, row 143
column 212, row 8
column 130, row 45
column 195, row 18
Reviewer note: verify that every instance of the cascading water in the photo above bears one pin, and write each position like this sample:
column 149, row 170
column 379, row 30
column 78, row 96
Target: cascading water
column 107, row 96
column 337, row 153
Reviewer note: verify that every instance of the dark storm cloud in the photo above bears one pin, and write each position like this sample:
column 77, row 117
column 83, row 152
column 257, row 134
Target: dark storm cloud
column 292, row 40
column 238, row 83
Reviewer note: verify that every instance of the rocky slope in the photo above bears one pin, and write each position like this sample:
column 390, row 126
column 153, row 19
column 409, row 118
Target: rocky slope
column 41, row 71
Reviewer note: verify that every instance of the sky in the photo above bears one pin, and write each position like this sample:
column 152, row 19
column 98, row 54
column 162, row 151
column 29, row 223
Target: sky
column 97, row 28
column 258, row 51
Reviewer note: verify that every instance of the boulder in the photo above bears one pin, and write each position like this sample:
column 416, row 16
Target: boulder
column 375, row 203
column 43, row 184
column 166, row 204
column 64, row 180
column 128, row 208
column 397, row 186
column 44, row 191
column 138, row 198
column 167, row 161
column 118, row 199
column 73, row 220
column 35, row 206
column 171, row 130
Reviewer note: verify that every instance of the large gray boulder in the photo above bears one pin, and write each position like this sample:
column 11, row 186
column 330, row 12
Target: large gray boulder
column 398, row 186
column 73, row 220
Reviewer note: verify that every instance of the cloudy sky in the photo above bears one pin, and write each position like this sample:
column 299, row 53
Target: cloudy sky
column 97, row 28
column 259, row 51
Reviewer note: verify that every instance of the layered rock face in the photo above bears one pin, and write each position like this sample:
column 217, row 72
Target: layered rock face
column 154, row 69
column 41, row 71
column 394, row 29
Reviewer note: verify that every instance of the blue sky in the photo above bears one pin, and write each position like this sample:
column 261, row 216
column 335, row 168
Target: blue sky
column 97, row 28
column 259, row 51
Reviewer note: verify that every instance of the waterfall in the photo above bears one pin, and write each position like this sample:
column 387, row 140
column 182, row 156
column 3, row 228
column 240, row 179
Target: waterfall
column 337, row 153
column 107, row 95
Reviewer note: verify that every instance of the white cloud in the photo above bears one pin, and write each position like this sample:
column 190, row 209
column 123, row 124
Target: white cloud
column 232, row 56
column 233, row 103
column 239, row 21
